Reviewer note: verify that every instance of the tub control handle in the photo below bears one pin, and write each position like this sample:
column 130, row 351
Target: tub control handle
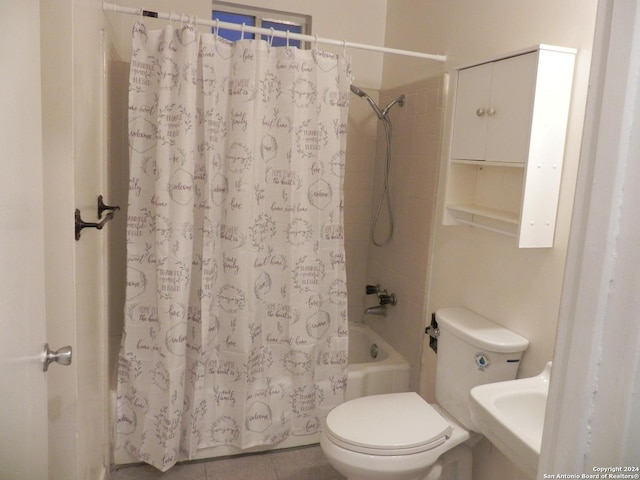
column 386, row 299
column 371, row 289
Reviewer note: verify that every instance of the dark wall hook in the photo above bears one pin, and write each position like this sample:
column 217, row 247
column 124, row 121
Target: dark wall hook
column 80, row 224
column 102, row 207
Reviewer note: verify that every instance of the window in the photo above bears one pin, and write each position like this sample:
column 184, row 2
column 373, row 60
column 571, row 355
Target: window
column 261, row 18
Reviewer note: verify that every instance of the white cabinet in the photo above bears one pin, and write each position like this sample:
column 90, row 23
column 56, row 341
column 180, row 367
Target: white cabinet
column 507, row 143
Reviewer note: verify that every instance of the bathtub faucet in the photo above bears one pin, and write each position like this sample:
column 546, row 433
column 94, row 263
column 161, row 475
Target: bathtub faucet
column 377, row 310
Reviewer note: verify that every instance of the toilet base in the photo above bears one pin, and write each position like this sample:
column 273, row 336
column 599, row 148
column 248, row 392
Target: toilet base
column 455, row 464
column 362, row 466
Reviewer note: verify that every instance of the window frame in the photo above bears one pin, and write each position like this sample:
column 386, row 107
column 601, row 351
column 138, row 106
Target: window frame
column 267, row 15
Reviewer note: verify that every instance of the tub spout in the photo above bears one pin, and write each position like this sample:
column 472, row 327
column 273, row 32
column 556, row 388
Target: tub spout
column 377, row 310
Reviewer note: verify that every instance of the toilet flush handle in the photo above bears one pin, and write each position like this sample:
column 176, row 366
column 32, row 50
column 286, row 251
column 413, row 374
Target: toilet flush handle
column 433, row 331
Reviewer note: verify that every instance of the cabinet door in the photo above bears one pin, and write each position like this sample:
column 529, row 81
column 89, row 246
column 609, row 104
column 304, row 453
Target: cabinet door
column 509, row 115
column 470, row 118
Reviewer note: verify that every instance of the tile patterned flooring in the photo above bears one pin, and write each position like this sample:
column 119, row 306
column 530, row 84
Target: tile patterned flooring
column 304, row 463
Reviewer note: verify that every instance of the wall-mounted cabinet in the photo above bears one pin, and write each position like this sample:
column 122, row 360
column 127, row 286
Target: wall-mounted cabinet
column 507, row 144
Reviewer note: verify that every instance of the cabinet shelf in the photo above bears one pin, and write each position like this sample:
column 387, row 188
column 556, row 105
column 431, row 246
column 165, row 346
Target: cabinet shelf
column 483, row 163
column 486, row 212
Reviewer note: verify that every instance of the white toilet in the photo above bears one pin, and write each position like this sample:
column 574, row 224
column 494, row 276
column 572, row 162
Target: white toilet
column 399, row 436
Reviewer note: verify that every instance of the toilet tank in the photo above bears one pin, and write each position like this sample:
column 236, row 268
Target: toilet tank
column 472, row 351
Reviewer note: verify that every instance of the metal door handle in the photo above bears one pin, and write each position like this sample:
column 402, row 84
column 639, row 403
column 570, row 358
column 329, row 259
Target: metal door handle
column 61, row 356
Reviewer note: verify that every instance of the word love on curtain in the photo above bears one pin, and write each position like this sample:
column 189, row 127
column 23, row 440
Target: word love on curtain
column 235, row 316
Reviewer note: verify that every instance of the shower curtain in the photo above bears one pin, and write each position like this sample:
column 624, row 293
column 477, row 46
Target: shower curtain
column 235, row 316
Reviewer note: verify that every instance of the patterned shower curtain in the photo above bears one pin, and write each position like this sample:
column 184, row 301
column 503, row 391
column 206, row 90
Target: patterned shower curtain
column 235, row 316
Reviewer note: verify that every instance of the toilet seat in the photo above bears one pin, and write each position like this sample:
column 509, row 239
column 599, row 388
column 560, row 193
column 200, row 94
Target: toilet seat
column 389, row 424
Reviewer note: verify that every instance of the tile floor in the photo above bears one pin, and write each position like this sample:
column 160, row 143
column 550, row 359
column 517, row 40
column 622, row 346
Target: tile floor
column 304, row 463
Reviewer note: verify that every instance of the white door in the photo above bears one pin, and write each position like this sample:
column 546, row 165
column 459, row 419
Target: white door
column 23, row 408
column 470, row 121
column 513, row 86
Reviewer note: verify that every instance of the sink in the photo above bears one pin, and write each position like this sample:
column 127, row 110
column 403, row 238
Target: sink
column 511, row 415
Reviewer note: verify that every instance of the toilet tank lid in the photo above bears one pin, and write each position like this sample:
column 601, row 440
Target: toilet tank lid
column 479, row 331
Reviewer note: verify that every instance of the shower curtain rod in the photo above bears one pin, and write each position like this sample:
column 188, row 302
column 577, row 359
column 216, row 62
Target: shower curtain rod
column 112, row 7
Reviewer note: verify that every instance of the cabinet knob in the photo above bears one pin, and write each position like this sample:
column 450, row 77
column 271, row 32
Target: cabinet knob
column 491, row 112
column 480, row 112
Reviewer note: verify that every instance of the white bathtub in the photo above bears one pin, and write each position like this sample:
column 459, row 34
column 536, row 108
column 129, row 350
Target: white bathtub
column 388, row 372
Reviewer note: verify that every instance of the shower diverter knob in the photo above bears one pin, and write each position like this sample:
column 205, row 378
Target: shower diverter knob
column 386, row 299
column 371, row 289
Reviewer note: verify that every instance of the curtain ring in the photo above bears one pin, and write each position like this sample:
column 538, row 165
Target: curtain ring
column 287, row 38
column 141, row 15
column 271, row 41
column 242, row 31
column 316, row 42
column 216, row 27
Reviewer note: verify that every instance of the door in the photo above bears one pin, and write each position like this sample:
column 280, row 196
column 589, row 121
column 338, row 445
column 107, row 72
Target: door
column 23, row 415
column 470, row 121
column 513, row 86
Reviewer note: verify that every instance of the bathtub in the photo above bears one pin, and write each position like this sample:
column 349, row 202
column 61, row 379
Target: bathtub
column 374, row 367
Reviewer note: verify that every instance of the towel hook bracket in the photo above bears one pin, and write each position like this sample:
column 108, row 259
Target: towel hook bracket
column 81, row 224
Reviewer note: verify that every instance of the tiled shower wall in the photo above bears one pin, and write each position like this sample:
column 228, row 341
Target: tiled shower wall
column 358, row 187
column 402, row 266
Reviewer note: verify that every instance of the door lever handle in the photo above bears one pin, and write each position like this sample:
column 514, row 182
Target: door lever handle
column 61, row 356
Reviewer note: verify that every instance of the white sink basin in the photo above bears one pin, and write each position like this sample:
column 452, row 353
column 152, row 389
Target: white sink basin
column 511, row 415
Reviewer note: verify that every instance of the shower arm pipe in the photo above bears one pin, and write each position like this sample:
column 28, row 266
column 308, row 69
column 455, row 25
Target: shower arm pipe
column 112, row 7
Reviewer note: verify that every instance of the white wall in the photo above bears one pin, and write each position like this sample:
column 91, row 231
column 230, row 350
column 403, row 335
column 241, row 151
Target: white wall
column 486, row 272
column 480, row 270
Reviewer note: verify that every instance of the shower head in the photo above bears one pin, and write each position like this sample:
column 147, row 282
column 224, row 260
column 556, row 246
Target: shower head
column 381, row 114
column 363, row 94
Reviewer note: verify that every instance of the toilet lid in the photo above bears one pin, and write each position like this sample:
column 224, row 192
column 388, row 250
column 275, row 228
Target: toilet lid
column 390, row 424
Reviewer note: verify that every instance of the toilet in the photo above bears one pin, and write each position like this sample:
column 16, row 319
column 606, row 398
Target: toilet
column 399, row 436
